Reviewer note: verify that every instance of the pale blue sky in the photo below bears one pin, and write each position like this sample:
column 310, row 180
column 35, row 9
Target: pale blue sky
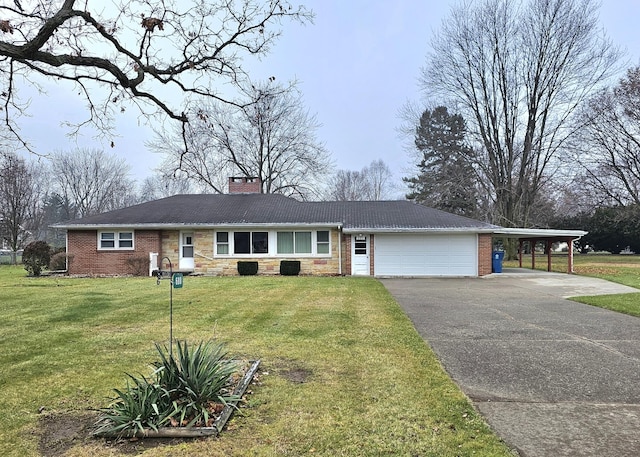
column 356, row 66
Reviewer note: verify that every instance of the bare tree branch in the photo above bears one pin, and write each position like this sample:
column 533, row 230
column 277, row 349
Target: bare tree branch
column 161, row 55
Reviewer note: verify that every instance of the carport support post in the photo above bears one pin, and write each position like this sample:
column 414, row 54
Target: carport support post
column 520, row 242
column 533, row 253
column 549, row 244
column 570, row 255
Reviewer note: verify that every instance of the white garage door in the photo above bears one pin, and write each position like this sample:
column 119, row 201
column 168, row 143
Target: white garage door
column 425, row 255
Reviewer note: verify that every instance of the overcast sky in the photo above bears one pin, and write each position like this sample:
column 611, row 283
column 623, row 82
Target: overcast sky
column 357, row 66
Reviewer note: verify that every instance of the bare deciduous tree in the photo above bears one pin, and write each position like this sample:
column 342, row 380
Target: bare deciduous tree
column 381, row 185
column 161, row 185
column 91, row 181
column 516, row 71
column 608, row 143
column 18, row 200
column 159, row 55
column 348, row 185
column 272, row 137
column 372, row 183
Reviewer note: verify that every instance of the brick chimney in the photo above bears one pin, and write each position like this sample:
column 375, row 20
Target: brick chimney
column 242, row 185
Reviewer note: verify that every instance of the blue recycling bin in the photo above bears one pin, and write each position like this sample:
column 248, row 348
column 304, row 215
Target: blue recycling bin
column 496, row 265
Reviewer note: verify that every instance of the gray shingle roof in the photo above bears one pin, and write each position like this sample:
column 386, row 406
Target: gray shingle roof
column 271, row 209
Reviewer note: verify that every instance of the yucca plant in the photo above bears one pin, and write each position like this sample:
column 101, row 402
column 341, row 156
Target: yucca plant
column 195, row 379
column 143, row 404
column 186, row 388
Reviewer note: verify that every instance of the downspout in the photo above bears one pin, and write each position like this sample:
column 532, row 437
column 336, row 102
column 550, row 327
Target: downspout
column 339, row 250
column 66, row 251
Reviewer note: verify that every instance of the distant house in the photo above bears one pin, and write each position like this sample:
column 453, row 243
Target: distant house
column 209, row 234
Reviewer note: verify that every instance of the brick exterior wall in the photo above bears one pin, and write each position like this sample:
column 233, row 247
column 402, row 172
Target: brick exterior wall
column 87, row 259
column 372, row 271
column 346, row 254
column 245, row 186
column 485, row 248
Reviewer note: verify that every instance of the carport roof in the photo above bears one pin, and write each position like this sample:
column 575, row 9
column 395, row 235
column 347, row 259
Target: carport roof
column 546, row 235
column 523, row 233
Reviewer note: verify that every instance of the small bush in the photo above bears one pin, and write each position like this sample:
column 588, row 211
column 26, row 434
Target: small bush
column 58, row 261
column 138, row 265
column 36, row 257
column 290, row 267
column 248, row 268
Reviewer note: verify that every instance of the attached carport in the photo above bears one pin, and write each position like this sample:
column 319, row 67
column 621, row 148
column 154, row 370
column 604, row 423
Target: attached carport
column 545, row 236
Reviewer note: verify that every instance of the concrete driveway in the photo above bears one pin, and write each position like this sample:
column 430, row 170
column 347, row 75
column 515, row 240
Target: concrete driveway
column 551, row 376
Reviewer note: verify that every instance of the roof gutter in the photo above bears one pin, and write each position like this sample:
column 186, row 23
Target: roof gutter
column 174, row 226
column 353, row 230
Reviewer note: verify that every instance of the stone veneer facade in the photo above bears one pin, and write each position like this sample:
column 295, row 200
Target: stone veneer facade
column 207, row 264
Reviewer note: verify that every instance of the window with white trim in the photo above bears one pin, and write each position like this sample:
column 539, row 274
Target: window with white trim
column 250, row 242
column 322, row 242
column 222, row 243
column 294, row 242
column 272, row 243
column 242, row 243
column 115, row 240
column 125, row 240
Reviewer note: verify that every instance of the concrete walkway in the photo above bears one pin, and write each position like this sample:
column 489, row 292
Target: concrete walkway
column 551, row 376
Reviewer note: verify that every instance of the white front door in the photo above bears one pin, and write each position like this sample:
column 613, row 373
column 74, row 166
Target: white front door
column 360, row 255
column 186, row 251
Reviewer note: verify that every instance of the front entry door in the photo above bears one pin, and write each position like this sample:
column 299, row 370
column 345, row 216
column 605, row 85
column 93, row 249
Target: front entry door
column 360, row 255
column 186, row 251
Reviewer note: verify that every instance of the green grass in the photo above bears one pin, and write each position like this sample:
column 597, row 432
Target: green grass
column 623, row 269
column 371, row 386
column 6, row 259
column 622, row 303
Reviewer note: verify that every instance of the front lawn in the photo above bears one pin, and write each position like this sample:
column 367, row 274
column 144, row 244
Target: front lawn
column 343, row 370
column 622, row 303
